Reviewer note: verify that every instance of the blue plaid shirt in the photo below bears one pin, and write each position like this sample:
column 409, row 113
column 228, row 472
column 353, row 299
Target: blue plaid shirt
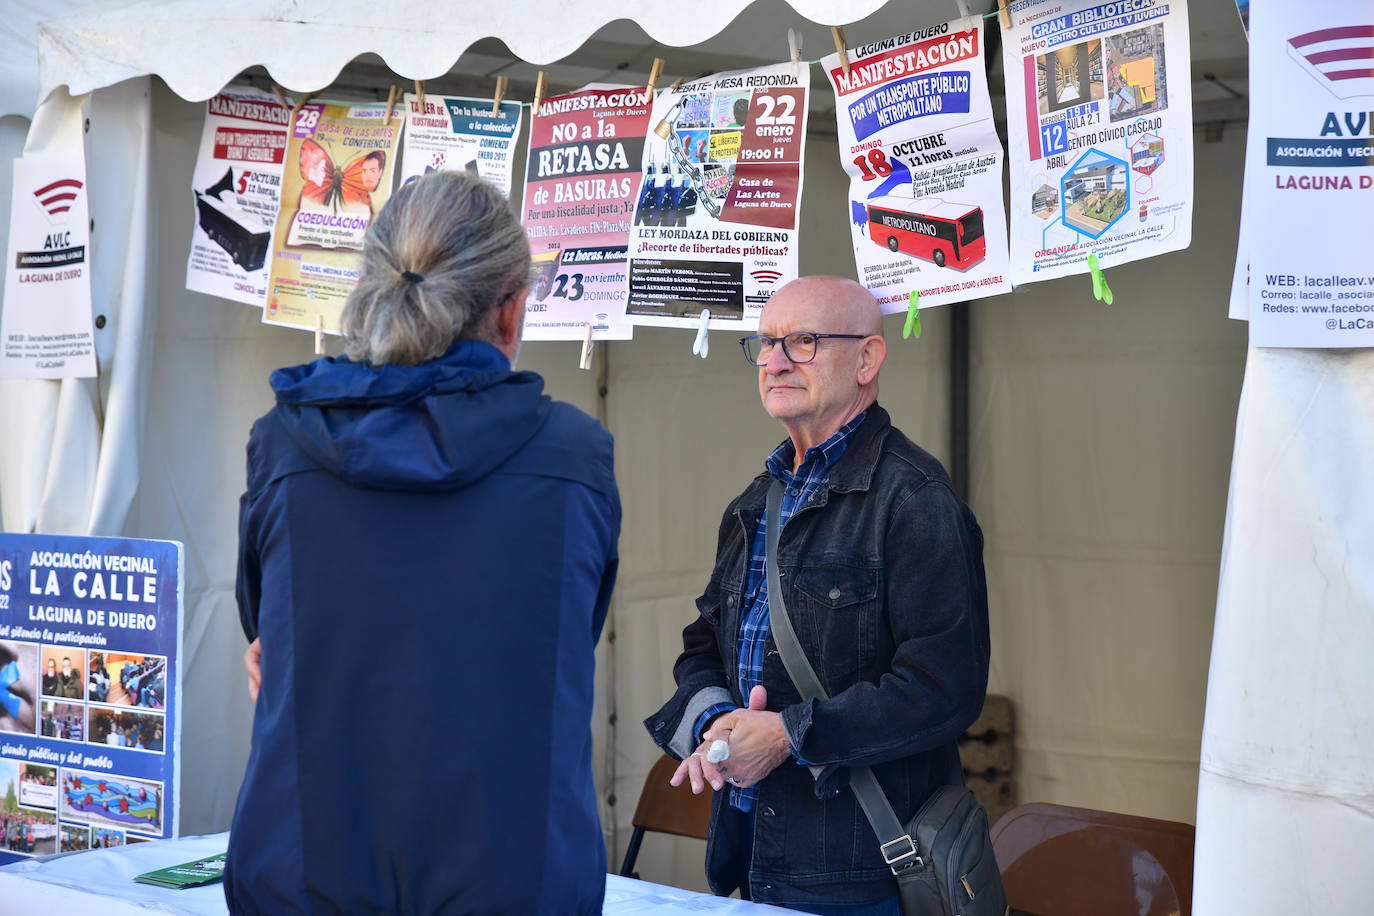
column 753, row 621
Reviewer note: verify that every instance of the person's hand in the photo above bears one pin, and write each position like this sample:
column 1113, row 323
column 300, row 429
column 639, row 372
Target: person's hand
column 698, row 771
column 696, row 768
column 252, row 660
column 758, row 742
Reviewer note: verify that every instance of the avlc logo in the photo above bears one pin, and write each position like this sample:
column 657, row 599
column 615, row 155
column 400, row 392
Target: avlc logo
column 1341, row 59
column 56, row 198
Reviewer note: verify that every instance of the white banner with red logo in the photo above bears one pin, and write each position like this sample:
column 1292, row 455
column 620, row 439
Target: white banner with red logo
column 1308, row 221
column 237, row 188
column 715, row 217
column 1099, row 133
column 45, row 326
column 917, row 139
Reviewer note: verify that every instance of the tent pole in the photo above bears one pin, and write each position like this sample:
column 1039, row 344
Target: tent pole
column 959, row 347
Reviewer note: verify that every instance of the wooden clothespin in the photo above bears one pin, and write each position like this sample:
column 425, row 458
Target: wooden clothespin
column 420, row 94
column 794, row 43
column 501, row 83
column 702, row 345
column 654, row 74
column 319, row 335
column 541, row 86
column 837, row 33
column 1003, row 14
column 586, row 360
column 676, row 84
column 283, row 98
column 301, row 104
column 390, row 103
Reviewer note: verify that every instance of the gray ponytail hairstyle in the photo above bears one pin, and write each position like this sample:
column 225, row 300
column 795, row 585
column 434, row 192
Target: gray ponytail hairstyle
column 445, row 251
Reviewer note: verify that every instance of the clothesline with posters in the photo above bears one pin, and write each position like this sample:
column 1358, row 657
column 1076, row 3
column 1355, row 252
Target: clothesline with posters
column 654, row 209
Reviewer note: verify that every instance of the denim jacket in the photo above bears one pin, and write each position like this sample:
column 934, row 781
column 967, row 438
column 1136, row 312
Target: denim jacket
column 882, row 574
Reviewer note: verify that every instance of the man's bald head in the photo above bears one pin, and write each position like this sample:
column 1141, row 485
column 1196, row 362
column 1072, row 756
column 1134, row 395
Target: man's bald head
column 848, row 308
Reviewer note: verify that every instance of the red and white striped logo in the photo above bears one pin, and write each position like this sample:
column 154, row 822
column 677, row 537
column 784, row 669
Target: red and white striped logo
column 57, row 197
column 1341, row 58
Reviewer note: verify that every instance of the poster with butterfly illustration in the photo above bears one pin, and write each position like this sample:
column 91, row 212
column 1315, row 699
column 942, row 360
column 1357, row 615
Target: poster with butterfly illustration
column 456, row 134
column 338, row 174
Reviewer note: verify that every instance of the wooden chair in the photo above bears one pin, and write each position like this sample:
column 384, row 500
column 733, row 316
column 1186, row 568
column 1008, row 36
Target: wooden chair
column 666, row 810
column 1060, row 861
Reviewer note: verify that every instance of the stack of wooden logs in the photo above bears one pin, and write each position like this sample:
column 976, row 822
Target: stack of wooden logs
column 989, row 757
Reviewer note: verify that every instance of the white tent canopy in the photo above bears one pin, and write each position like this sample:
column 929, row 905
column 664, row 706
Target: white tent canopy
column 304, row 44
column 1102, row 439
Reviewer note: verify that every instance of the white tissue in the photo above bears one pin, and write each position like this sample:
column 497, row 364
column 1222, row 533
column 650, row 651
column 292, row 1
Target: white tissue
column 718, row 751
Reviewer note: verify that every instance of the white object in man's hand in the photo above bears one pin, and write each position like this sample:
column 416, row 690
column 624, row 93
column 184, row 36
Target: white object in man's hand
column 719, row 750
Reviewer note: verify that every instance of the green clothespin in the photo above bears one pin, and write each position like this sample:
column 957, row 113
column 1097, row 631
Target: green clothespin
column 913, row 316
column 1101, row 291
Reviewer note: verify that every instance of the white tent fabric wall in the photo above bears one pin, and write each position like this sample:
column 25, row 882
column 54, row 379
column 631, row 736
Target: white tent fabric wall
column 1101, row 445
column 79, row 468
column 14, row 405
column 1289, row 735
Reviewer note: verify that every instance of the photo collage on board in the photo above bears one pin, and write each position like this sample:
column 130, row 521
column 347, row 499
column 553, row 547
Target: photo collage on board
column 73, row 697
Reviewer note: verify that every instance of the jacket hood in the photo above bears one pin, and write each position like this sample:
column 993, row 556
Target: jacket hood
column 440, row 425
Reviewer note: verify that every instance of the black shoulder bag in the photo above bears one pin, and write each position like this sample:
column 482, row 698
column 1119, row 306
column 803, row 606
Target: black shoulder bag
column 943, row 858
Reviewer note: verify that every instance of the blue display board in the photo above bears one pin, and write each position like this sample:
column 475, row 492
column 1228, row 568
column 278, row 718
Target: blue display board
column 90, row 692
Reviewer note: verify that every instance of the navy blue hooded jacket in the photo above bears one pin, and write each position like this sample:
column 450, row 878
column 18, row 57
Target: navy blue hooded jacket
column 427, row 554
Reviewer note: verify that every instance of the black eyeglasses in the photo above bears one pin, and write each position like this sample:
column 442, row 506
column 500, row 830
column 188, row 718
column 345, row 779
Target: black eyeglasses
column 798, row 347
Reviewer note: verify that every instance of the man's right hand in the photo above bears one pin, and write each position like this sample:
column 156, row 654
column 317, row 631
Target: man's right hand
column 252, row 660
column 696, row 768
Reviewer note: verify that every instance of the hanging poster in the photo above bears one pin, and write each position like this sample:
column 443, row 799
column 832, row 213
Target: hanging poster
column 917, row 140
column 581, row 182
column 339, row 164
column 45, row 320
column 1099, row 133
column 459, row 134
column 90, row 692
column 715, row 217
column 1311, row 165
column 237, row 189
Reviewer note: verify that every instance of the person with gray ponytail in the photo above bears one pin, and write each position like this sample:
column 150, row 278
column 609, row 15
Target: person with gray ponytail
column 427, row 547
column 441, row 260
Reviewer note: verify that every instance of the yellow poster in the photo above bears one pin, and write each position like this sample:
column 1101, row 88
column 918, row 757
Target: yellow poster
column 337, row 177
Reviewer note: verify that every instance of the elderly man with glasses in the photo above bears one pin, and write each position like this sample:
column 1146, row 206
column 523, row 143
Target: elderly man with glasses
column 881, row 570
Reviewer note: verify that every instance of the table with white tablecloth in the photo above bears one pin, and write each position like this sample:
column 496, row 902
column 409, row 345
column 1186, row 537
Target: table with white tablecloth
column 102, row 881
